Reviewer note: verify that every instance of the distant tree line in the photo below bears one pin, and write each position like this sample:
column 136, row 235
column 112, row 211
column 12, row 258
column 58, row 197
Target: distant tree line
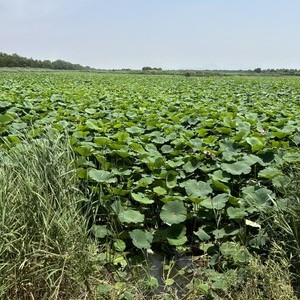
column 15, row 60
column 277, row 71
column 151, row 69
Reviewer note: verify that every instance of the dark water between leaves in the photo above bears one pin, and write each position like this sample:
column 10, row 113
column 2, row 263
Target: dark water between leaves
column 175, row 272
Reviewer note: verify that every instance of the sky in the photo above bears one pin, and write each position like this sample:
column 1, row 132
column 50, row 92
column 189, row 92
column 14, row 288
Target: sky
column 171, row 34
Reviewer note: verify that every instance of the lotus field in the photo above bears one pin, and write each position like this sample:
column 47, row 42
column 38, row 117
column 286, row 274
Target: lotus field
column 168, row 162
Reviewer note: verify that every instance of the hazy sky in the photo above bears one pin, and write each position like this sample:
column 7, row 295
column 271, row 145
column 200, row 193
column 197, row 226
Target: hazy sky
column 172, row 34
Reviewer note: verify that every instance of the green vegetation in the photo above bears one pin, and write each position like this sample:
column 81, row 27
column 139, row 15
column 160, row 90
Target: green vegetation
column 45, row 252
column 165, row 165
column 15, row 60
column 9, row 61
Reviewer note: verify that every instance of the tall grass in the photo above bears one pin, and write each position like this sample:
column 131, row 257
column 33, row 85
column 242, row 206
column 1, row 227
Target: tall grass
column 285, row 222
column 45, row 251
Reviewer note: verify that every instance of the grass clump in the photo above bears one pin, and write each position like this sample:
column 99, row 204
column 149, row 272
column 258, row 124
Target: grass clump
column 45, row 251
column 266, row 280
column 284, row 224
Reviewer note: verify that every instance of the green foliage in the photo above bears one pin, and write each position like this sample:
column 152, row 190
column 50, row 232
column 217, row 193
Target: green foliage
column 15, row 60
column 173, row 212
column 185, row 160
column 45, row 252
column 141, row 239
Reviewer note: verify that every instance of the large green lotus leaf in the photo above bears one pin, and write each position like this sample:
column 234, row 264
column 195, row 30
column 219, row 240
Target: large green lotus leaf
column 160, row 190
column 210, row 140
column 201, row 132
column 217, row 202
column 236, row 168
column 119, row 191
column 209, row 123
column 243, row 127
column 171, row 179
column 102, row 176
column 281, row 134
column 196, row 143
column 4, row 104
column 131, row 216
column 123, row 152
column 151, row 148
column 229, row 121
column 230, row 155
column 225, row 231
column 166, row 149
column 191, row 166
column 90, row 111
column 176, row 235
column 228, row 145
column 5, row 119
column 236, row 213
column 252, row 117
column 92, row 124
column 224, row 130
column 119, row 245
column 145, row 181
column 173, row 212
column 269, row 173
column 175, row 163
column 131, row 114
column 16, row 127
column 102, row 141
column 84, row 150
column 220, row 175
column 243, row 130
column 172, row 136
column 116, row 207
column 100, row 231
column 159, row 140
column 296, row 139
column 116, row 146
column 219, row 233
column 291, row 157
column 80, row 134
column 251, row 159
column 141, row 198
column 280, row 144
column 196, row 188
column 153, row 162
column 122, row 136
column 256, row 143
column 281, row 181
column 202, row 235
column 141, row 239
column 121, row 171
column 135, row 130
column 81, row 173
column 256, row 198
column 137, row 147
column 220, row 186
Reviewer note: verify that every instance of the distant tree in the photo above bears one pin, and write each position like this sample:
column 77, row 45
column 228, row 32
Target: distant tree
column 146, row 69
column 257, row 70
column 151, row 69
